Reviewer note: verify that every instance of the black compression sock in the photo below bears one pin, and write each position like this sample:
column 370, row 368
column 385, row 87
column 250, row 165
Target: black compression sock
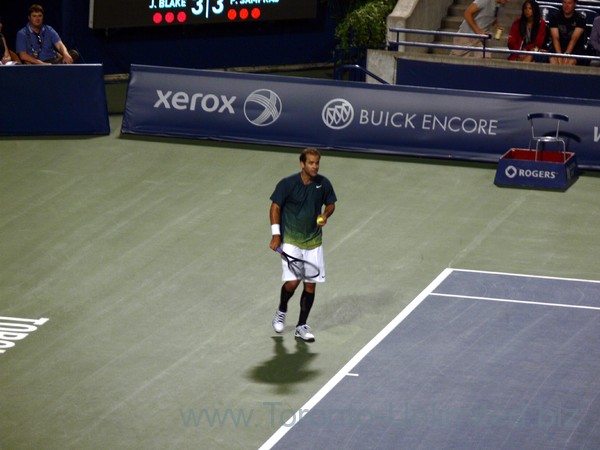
column 284, row 298
column 306, row 302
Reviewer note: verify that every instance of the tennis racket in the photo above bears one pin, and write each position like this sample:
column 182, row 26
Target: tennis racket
column 301, row 268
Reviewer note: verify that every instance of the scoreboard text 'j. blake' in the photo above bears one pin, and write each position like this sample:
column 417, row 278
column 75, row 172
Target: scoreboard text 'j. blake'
column 106, row 14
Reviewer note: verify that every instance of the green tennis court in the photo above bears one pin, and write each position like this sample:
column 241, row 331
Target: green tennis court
column 150, row 260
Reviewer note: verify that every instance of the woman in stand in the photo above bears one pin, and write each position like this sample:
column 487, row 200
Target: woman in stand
column 528, row 32
column 4, row 55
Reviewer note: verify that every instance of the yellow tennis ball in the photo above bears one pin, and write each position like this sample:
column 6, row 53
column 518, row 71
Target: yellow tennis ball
column 320, row 220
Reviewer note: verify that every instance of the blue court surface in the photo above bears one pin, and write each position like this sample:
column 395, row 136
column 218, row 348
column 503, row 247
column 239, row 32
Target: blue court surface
column 477, row 360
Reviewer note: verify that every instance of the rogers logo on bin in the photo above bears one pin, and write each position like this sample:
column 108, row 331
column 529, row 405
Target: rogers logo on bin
column 262, row 107
column 512, row 172
column 337, row 113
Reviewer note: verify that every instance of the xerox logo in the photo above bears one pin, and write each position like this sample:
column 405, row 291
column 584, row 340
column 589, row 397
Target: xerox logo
column 262, row 107
column 337, row 113
column 206, row 102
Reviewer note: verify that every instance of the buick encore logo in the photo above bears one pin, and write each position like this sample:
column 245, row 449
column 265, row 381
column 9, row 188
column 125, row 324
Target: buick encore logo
column 338, row 113
column 262, row 107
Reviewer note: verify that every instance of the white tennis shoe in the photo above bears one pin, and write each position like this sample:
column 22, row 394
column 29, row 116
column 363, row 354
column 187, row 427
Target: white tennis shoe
column 303, row 332
column 279, row 321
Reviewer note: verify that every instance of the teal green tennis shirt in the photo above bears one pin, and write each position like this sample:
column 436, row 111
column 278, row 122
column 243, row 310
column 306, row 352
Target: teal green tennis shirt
column 300, row 206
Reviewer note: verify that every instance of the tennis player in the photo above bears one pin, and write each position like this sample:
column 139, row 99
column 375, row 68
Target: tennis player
column 297, row 218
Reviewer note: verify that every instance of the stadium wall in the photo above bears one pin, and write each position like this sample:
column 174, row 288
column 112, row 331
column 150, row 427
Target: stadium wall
column 201, row 47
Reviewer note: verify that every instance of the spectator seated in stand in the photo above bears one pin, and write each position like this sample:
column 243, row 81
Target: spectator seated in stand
column 8, row 58
column 38, row 43
column 594, row 42
column 527, row 32
column 567, row 29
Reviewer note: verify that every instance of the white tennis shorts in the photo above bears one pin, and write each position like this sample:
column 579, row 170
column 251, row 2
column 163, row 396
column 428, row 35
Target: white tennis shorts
column 314, row 256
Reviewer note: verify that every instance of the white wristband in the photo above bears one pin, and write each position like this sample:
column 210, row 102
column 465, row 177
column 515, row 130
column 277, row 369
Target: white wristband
column 275, row 229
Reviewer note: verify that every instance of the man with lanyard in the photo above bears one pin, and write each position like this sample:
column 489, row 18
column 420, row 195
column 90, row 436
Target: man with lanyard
column 297, row 218
column 37, row 43
column 567, row 29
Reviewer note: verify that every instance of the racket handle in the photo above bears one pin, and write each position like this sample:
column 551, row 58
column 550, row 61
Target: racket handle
column 279, row 250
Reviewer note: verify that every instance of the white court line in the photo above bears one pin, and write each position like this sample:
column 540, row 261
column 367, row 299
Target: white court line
column 292, row 421
column 360, row 226
column 506, row 300
column 526, row 276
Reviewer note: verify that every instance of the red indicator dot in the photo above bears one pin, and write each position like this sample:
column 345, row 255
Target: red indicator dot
column 181, row 16
column 169, row 17
column 157, row 18
column 244, row 13
column 232, row 14
column 255, row 13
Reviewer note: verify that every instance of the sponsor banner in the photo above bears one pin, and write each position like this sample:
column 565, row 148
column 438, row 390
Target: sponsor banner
column 347, row 116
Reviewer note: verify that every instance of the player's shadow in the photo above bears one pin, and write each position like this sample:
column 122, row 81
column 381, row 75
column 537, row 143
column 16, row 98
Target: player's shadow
column 286, row 368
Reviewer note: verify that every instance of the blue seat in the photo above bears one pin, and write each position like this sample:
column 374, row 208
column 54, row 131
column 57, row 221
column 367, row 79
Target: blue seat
column 547, row 11
column 589, row 15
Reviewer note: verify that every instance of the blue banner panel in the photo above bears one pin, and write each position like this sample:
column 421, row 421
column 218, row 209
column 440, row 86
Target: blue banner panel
column 63, row 99
column 496, row 79
column 347, row 116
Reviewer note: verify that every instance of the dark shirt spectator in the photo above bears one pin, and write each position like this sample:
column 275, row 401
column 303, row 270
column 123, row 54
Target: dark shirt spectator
column 567, row 28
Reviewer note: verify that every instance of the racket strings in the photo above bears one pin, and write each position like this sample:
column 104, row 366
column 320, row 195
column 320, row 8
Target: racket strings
column 297, row 268
column 303, row 269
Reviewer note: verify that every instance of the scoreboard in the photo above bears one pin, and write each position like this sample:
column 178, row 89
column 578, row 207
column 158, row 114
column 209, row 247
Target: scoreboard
column 106, row 14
